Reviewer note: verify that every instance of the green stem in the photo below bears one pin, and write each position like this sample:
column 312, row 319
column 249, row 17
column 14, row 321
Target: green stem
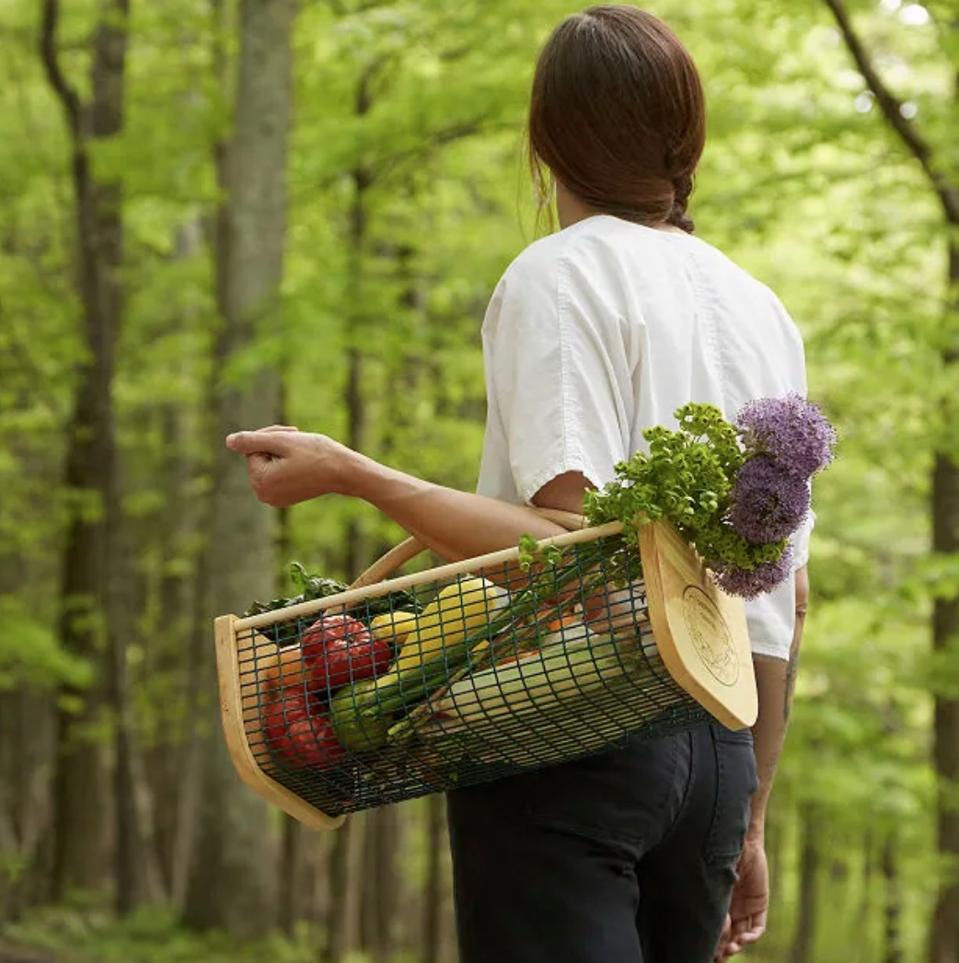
column 418, row 683
column 515, row 614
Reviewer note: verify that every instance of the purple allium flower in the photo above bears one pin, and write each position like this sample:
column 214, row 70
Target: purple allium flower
column 763, row 578
column 768, row 502
column 791, row 430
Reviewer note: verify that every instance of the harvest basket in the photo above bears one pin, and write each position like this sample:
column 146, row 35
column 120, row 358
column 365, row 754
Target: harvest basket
column 403, row 686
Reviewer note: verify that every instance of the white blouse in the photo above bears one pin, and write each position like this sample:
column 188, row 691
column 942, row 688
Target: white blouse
column 603, row 329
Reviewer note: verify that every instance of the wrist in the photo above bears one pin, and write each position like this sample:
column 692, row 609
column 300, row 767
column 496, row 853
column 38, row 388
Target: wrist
column 359, row 477
column 756, row 830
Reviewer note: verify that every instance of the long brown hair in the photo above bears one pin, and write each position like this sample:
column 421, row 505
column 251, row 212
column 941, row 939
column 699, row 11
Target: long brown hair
column 618, row 115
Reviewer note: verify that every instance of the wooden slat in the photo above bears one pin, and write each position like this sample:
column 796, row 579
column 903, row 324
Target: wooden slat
column 441, row 574
column 700, row 631
column 232, row 713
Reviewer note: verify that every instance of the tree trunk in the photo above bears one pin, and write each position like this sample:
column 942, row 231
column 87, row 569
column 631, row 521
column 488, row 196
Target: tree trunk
column 288, row 883
column 229, row 885
column 338, row 875
column 134, row 868
column 87, row 576
column 355, row 403
column 189, row 757
column 346, row 882
column 379, row 893
column 362, row 180
column 434, row 899
column 26, row 722
column 804, row 938
column 168, row 633
column 27, row 718
column 891, row 903
column 868, row 870
column 945, row 640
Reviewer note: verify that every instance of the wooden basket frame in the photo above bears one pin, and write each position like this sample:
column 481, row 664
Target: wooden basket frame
column 699, row 631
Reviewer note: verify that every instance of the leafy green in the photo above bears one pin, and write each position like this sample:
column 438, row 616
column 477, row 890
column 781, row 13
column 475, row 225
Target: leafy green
column 311, row 587
column 687, row 478
column 320, row 587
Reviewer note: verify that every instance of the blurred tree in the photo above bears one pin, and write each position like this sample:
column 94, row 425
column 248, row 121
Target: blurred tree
column 90, row 588
column 940, row 171
column 804, row 937
column 248, row 249
column 892, row 902
column 433, row 902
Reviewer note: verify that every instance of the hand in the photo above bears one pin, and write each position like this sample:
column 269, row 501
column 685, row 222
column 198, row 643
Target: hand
column 286, row 465
column 749, row 905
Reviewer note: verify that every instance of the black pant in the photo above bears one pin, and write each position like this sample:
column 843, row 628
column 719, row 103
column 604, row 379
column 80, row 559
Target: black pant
column 623, row 857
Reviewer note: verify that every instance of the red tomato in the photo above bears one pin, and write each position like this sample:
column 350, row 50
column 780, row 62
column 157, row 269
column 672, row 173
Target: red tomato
column 339, row 650
column 331, row 628
column 279, row 716
column 297, row 734
column 314, row 742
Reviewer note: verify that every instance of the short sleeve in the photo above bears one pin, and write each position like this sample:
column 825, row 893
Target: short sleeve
column 557, row 375
column 771, row 619
column 800, row 541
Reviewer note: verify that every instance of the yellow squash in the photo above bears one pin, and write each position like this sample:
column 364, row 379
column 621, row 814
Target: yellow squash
column 392, row 627
column 457, row 612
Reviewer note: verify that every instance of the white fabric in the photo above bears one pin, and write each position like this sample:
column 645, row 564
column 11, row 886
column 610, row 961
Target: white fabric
column 605, row 328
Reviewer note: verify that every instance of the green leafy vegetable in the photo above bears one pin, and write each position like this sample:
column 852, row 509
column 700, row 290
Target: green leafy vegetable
column 319, row 587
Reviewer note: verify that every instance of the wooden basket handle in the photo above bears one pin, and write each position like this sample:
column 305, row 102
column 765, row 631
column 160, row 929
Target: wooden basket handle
column 398, row 556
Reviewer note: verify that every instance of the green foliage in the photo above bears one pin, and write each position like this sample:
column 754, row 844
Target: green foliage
column 77, row 935
column 801, row 183
column 30, row 653
column 687, row 478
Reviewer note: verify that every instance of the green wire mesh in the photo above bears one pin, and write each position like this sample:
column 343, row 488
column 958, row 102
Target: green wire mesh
column 409, row 693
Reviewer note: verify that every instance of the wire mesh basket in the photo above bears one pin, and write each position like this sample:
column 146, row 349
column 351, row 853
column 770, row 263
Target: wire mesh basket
column 404, row 686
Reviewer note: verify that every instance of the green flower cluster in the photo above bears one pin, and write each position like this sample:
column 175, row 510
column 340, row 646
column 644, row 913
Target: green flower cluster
column 687, row 477
column 530, row 553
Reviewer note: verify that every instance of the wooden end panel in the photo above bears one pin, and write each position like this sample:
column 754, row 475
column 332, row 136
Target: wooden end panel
column 700, row 631
column 232, row 715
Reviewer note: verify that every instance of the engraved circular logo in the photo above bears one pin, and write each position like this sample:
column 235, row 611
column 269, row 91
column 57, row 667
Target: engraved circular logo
column 710, row 635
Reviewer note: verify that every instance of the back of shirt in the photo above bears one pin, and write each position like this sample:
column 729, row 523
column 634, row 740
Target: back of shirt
column 602, row 330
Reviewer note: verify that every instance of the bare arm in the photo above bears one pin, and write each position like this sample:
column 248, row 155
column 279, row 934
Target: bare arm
column 457, row 524
column 287, row 466
column 776, row 680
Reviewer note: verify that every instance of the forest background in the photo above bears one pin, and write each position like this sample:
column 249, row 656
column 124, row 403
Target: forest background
column 227, row 213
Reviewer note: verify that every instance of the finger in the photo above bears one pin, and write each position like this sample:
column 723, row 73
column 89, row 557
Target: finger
column 257, row 464
column 749, row 921
column 259, row 469
column 752, row 936
column 279, row 428
column 258, row 442
column 749, row 933
column 720, row 953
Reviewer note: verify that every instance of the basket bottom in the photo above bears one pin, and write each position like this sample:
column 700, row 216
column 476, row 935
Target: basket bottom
column 456, row 757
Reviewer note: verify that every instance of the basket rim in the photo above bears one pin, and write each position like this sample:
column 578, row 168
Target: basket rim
column 435, row 574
